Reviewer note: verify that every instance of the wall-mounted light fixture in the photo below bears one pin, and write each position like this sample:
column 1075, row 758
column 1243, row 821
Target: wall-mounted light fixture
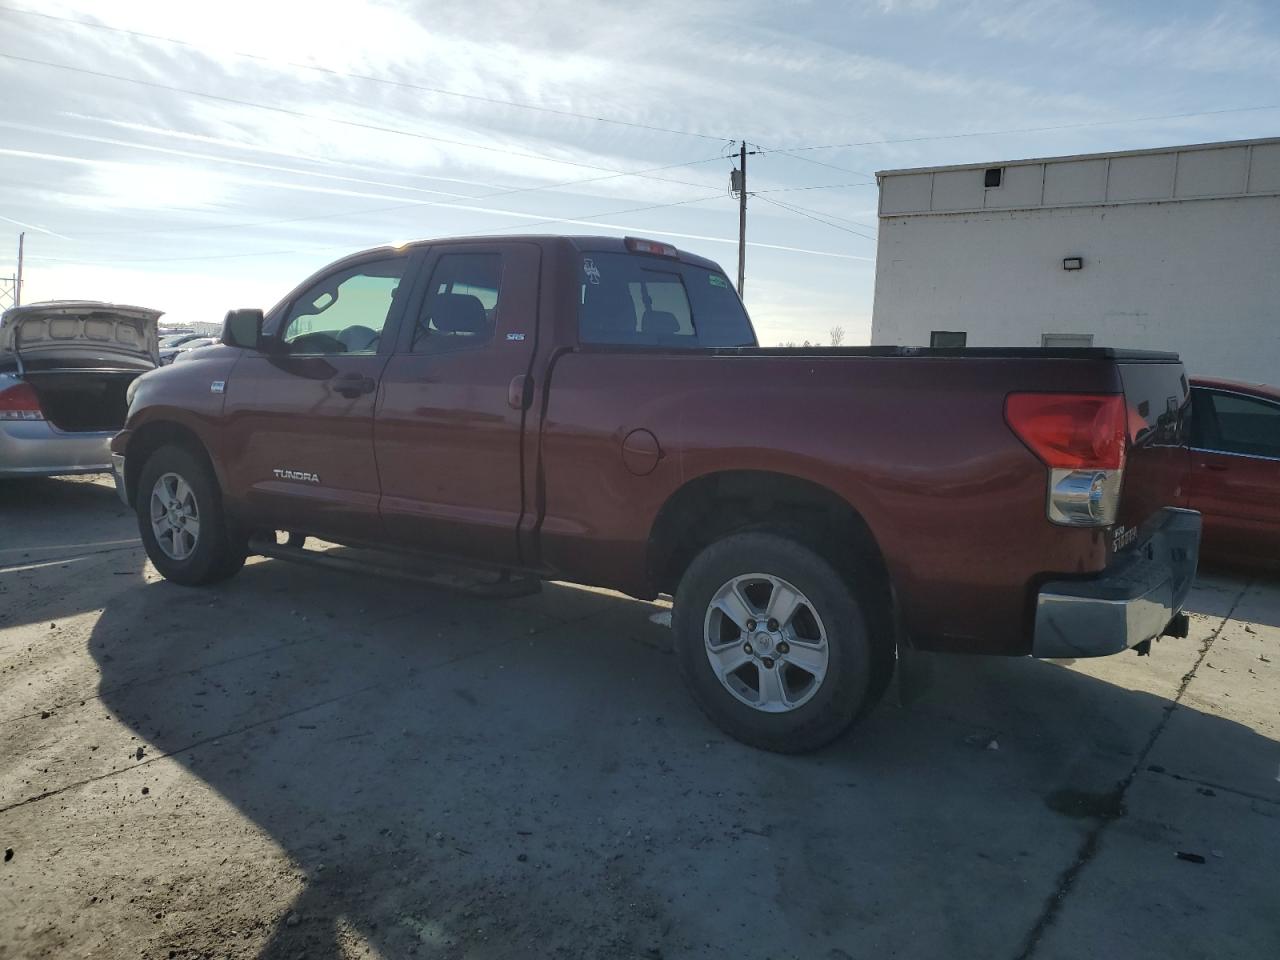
column 1073, row 263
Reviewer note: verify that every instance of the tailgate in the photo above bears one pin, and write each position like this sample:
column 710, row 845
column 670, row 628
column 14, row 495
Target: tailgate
column 80, row 333
column 1158, row 400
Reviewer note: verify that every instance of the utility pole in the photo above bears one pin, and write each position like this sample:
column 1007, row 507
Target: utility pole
column 17, row 287
column 742, row 219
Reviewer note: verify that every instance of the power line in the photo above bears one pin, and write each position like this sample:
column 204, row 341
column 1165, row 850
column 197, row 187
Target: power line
column 810, row 216
column 615, row 213
column 1061, row 126
column 499, row 192
column 607, row 226
column 312, row 116
column 535, row 223
column 404, row 84
column 821, row 163
column 820, row 186
column 831, row 216
column 212, row 141
column 381, row 209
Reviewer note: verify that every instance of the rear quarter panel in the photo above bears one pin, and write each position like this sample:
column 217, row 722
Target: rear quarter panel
column 918, row 446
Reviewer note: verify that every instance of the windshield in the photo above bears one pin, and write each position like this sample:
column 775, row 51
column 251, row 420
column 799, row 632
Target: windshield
column 631, row 299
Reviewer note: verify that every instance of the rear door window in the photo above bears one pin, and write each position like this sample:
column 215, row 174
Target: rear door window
column 634, row 300
column 1242, row 425
column 461, row 303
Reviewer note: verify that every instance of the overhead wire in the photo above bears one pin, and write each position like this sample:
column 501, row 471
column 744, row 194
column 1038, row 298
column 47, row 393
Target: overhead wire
column 405, row 84
column 1044, row 129
column 822, row 220
column 302, row 114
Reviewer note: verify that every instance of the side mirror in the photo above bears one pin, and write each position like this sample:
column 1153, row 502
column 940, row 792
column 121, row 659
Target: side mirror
column 242, row 328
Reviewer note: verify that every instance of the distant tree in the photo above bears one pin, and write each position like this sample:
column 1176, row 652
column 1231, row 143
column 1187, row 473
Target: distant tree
column 788, row 343
column 837, row 336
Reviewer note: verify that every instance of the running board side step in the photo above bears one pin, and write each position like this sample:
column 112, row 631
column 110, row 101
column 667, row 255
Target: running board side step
column 401, row 567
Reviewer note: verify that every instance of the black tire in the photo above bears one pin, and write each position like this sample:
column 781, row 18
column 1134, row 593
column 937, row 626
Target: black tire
column 849, row 684
column 219, row 552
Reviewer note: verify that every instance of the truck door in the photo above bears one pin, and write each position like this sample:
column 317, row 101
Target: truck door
column 449, row 425
column 300, row 413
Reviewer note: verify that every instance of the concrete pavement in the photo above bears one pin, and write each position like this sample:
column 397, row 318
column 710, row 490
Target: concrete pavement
column 303, row 763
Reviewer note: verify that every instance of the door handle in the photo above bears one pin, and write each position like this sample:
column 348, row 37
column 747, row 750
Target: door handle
column 352, row 385
column 520, row 392
column 1215, row 467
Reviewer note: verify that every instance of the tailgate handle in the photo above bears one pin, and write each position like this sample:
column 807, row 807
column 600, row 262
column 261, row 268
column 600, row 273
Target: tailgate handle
column 352, row 385
column 520, row 392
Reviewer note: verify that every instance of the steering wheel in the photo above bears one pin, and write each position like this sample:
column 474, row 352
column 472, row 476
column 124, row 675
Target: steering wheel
column 317, row 343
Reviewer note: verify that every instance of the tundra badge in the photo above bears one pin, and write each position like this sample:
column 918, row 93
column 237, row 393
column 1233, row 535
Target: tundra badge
column 295, row 475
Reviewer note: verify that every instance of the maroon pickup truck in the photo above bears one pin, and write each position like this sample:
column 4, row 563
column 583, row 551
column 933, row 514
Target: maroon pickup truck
column 597, row 410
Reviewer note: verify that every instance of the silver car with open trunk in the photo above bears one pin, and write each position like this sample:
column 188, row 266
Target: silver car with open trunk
column 65, row 371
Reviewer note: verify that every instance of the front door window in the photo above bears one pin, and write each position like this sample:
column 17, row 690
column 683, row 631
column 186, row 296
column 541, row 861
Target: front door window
column 345, row 312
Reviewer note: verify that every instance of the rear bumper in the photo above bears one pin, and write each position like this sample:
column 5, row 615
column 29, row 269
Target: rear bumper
column 35, row 448
column 1132, row 601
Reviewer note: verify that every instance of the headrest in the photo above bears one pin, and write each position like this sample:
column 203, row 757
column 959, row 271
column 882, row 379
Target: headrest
column 458, row 313
column 610, row 309
column 659, row 322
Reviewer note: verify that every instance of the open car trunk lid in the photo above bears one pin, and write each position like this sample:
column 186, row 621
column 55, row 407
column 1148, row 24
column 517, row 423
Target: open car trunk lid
column 80, row 333
column 79, row 357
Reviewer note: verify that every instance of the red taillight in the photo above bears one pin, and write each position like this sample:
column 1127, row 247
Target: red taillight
column 1070, row 431
column 19, row 402
column 636, row 245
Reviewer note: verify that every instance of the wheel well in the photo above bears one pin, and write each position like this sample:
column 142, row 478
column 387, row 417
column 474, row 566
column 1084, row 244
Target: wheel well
column 712, row 507
column 150, row 438
column 716, row 506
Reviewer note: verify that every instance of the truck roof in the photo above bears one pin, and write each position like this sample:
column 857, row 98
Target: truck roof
column 598, row 244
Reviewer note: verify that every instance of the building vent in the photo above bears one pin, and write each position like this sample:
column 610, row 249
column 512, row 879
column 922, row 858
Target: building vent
column 948, row 338
column 993, row 177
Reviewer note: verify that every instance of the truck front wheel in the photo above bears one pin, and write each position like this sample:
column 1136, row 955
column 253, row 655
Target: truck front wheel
column 772, row 642
column 181, row 520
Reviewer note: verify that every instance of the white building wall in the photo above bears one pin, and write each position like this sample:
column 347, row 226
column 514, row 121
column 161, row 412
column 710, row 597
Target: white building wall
column 1181, row 251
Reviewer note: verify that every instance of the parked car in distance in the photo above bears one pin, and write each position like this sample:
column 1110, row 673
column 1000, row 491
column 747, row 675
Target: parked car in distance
column 597, row 410
column 177, row 339
column 188, row 349
column 169, row 354
column 1234, row 478
column 65, row 369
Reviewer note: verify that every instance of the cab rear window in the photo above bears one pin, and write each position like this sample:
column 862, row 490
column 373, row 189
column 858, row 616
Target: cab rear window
column 636, row 300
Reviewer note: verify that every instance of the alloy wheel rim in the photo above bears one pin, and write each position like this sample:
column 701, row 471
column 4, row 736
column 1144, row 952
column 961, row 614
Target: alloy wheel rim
column 175, row 516
column 766, row 643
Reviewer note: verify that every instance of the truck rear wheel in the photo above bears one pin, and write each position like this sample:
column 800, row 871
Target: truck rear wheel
column 772, row 642
column 181, row 520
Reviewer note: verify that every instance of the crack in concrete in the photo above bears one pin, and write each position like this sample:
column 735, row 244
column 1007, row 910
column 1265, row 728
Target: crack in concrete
column 1089, row 847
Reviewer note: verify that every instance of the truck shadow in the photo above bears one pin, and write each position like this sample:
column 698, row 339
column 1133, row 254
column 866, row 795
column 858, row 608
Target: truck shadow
column 51, row 525
column 454, row 776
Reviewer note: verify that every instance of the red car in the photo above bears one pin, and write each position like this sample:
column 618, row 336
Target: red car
column 1235, row 470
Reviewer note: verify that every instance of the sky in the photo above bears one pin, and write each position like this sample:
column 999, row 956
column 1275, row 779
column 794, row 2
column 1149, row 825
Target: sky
column 204, row 157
